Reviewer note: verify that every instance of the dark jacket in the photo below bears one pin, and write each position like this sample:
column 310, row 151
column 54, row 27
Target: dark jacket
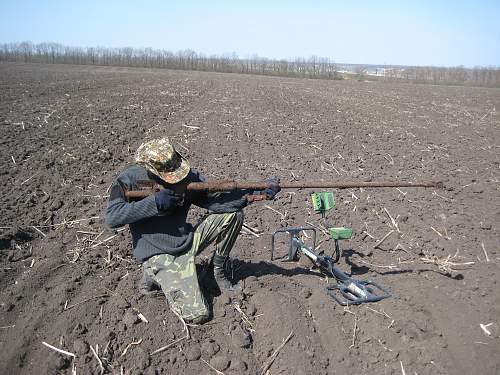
column 155, row 232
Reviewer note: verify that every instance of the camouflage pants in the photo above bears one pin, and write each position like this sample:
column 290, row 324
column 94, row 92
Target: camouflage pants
column 177, row 276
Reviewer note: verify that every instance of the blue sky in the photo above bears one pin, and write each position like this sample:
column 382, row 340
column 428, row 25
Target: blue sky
column 393, row 32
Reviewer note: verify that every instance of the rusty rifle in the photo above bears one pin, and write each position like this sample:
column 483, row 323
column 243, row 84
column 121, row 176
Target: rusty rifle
column 146, row 188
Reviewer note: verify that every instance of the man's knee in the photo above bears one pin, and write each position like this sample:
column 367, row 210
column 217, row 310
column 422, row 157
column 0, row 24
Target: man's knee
column 230, row 218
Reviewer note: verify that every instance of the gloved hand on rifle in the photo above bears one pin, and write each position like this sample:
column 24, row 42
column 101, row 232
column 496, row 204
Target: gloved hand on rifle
column 274, row 187
column 165, row 199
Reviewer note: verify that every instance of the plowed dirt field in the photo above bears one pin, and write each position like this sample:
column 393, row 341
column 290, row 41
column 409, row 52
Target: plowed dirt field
column 68, row 281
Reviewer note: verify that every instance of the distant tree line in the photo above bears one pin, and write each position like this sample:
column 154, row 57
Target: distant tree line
column 313, row 67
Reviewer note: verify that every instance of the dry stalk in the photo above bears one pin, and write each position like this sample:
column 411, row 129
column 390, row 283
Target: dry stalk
column 393, row 221
column 383, row 239
column 391, row 266
column 191, row 127
column 22, row 183
column 399, row 246
column 142, row 317
column 441, row 196
column 104, row 241
column 85, row 300
column 39, row 231
column 283, row 216
column 354, row 332
column 94, row 352
column 271, row 359
column 485, row 329
column 244, row 317
column 369, row 235
column 175, row 342
column 402, row 368
column 320, row 227
column 248, row 231
column 383, row 313
column 485, row 253
column 75, row 253
column 58, row 350
column 133, row 343
column 346, row 309
column 212, row 367
column 444, row 264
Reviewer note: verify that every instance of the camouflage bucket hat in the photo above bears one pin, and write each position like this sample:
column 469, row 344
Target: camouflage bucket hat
column 160, row 158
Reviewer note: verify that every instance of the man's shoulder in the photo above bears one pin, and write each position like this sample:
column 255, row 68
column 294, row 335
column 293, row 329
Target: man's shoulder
column 133, row 173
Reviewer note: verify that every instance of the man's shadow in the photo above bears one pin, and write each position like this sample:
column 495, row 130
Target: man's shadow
column 240, row 270
column 244, row 269
column 357, row 269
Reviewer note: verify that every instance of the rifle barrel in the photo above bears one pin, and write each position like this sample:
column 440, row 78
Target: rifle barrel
column 232, row 185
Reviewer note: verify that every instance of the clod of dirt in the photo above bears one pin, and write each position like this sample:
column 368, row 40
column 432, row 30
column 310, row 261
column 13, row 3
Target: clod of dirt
column 306, row 262
column 251, row 309
column 121, row 327
column 57, row 204
column 130, row 318
column 108, row 335
column 238, row 366
column 241, row 338
column 220, row 362
column 8, row 307
column 324, row 362
column 477, row 188
column 486, row 225
column 142, row 359
column 225, row 299
column 151, row 371
column 173, row 358
column 79, row 329
column 57, row 362
column 122, row 303
column 219, row 310
column 210, row 348
column 193, row 353
column 80, row 347
column 310, row 353
column 305, row 293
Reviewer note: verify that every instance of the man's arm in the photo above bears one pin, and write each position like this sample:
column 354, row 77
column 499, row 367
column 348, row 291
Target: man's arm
column 218, row 202
column 119, row 212
column 232, row 201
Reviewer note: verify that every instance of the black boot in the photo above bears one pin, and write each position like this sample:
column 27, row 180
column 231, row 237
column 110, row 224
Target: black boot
column 223, row 282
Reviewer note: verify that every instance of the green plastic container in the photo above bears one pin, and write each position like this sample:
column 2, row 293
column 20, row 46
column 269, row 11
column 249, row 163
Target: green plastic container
column 323, row 201
column 340, row 233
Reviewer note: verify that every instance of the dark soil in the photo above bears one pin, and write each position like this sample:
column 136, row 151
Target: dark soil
column 67, row 131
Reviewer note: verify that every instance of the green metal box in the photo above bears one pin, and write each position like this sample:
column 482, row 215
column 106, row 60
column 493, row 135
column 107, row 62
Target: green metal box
column 323, row 201
column 340, row 233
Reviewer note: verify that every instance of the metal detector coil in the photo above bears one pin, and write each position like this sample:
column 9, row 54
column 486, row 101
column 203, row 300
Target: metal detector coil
column 355, row 292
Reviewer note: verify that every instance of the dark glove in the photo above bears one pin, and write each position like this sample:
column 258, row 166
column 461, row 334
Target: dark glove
column 166, row 199
column 274, row 187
